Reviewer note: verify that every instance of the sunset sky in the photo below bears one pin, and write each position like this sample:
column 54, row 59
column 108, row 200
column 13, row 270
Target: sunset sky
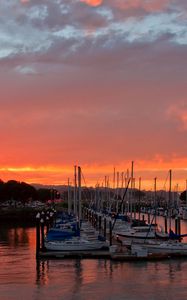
column 93, row 83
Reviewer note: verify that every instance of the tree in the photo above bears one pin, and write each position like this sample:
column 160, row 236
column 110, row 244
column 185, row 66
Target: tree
column 15, row 191
column 183, row 196
column 44, row 194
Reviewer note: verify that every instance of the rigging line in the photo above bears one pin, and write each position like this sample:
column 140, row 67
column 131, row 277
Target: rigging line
column 126, row 189
column 164, row 186
column 166, row 180
column 86, row 190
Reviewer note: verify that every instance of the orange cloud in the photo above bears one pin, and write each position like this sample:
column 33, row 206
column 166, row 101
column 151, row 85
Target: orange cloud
column 179, row 113
column 93, row 2
column 24, row 1
column 154, row 5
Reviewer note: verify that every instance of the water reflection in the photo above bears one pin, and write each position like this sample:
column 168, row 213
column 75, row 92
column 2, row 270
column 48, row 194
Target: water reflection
column 78, row 276
column 14, row 236
column 42, row 270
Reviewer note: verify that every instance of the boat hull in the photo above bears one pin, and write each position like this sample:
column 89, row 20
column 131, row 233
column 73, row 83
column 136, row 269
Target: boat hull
column 75, row 246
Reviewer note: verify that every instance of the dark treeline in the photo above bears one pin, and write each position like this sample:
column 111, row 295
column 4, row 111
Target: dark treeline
column 13, row 190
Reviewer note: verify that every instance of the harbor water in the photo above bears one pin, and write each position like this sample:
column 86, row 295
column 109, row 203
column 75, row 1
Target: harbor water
column 22, row 277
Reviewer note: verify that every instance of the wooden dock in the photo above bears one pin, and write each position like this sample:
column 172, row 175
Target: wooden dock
column 74, row 254
column 125, row 256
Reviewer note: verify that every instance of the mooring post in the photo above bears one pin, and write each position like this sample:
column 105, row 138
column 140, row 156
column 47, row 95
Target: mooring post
column 37, row 234
column 96, row 221
column 54, row 216
column 84, row 213
column 110, row 230
column 42, row 233
column 51, row 219
column 179, row 225
column 105, row 227
column 87, row 214
column 166, row 224
column 99, row 223
column 176, row 225
column 47, row 224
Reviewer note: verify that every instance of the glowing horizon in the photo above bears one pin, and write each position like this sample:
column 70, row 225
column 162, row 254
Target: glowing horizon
column 53, row 175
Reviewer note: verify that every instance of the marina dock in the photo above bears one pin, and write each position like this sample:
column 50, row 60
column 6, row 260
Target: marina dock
column 116, row 251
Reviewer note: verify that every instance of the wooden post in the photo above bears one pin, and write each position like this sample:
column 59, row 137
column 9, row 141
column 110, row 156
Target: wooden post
column 179, row 225
column 143, row 217
column 47, row 224
column 37, row 234
column 42, row 233
column 99, row 223
column 148, row 218
column 166, row 224
column 110, row 230
column 105, row 227
column 51, row 219
column 90, row 216
column 176, row 225
column 96, row 221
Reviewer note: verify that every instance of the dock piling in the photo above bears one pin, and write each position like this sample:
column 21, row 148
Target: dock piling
column 42, row 233
column 37, row 234
column 104, row 227
column 110, row 230
column 166, row 224
column 179, row 225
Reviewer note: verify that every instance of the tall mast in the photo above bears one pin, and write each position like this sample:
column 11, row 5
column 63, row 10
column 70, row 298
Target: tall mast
column 132, row 175
column 139, row 198
column 170, row 179
column 114, row 178
column 117, row 193
column 69, row 198
column 79, row 194
column 75, row 191
column 155, row 196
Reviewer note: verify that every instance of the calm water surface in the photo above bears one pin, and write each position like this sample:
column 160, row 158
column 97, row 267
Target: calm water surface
column 22, row 277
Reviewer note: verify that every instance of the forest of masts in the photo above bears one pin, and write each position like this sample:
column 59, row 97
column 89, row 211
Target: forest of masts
column 108, row 198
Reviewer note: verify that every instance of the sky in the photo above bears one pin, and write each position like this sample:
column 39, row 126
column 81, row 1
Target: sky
column 93, row 83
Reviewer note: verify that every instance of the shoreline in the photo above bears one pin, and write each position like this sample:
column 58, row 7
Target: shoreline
column 18, row 215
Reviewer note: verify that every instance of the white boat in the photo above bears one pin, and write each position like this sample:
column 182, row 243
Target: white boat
column 166, row 247
column 76, row 244
column 138, row 234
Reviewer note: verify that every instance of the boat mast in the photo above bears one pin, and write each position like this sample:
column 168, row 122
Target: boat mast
column 75, row 191
column 69, row 198
column 132, row 174
column 79, row 194
column 170, row 178
column 155, row 196
column 122, row 181
column 117, row 193
column 139, row 198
